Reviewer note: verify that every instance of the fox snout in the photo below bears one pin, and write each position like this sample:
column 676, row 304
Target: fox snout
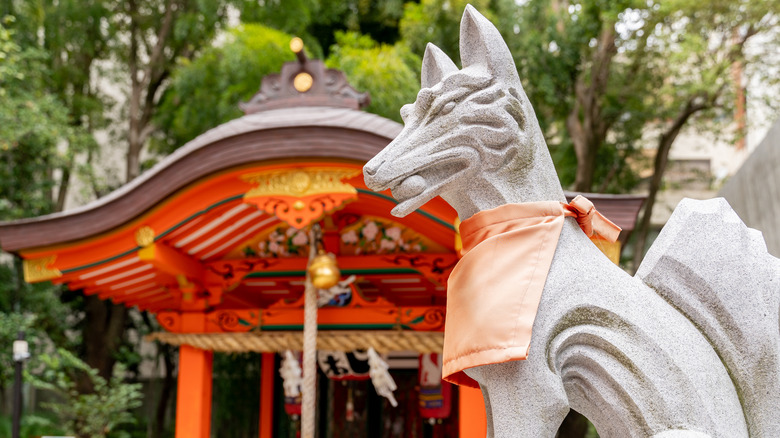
column 370, row 171
column 371, row 168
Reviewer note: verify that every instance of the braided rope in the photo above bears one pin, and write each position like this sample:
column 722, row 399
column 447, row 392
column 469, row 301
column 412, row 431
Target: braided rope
column 309, row 387
column 336, row 340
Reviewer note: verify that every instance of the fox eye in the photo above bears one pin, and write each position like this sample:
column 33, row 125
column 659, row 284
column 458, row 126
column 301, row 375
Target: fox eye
column 447, row 107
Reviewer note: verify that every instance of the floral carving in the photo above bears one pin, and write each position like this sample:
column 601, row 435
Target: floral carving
column 284, row 242
column 378, row 236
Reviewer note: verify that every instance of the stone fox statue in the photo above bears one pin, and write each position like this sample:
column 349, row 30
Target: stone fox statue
column 689, row 347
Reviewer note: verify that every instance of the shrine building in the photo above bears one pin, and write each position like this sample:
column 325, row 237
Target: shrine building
column 213, row 242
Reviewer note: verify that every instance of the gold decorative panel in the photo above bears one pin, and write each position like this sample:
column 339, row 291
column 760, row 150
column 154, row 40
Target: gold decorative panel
column 36, row 270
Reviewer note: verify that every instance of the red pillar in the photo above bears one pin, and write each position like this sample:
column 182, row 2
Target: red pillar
column 267, row 395
column 193, row 400
column 473, row 418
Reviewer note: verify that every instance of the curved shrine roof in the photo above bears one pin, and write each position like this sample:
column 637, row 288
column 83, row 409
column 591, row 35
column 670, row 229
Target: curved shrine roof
column 186, row 236
column 283, row 134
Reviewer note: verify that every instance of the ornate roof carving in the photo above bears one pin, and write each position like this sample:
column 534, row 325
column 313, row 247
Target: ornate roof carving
column 305, row 82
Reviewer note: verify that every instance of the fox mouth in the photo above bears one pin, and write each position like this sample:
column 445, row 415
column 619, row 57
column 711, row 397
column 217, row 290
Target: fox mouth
column 409, row 205
column 414, row 188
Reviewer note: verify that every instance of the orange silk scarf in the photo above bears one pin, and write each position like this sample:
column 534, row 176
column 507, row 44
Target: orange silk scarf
column 494, row 291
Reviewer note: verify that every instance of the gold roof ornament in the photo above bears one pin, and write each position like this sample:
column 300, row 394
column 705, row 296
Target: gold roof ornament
column 300, row 196
column 40, row 269
column 144, row 236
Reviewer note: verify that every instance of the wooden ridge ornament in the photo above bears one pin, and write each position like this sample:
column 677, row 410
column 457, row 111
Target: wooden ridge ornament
column 300, row 196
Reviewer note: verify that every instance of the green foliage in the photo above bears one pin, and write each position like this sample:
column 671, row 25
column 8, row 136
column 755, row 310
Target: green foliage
column 10, row 324
column 90, row 415
column 317, row 21
column 206, row 91
column 32, row 123
column 438, row 22
column 555, row 50
column 389, row 73
column 666, row 54
column 32, row 426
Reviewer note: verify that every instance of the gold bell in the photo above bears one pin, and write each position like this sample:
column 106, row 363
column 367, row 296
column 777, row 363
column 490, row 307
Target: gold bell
column 324, row 271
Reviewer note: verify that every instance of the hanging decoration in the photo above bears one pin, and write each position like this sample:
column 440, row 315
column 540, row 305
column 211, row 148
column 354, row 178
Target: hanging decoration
column 435, row 394
column 291, row 382
column 340, row 365
column 324, row 271
column 337, row 295
column 380, row 377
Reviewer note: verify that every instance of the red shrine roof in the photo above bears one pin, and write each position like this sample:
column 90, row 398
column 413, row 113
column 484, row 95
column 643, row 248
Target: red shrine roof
column 285, row 134
column 192, row 211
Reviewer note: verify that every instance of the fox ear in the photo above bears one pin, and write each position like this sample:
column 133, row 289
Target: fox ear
column 435, row 66
column 481, row 44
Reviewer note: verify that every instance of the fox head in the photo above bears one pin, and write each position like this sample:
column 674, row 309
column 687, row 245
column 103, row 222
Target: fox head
column 465, row 124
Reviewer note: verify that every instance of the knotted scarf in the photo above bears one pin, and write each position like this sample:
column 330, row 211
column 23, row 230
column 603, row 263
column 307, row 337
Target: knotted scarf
column 494, row 291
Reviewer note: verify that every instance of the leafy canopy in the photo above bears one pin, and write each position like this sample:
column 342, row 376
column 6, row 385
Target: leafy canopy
column 389, row 73
column 206, row 91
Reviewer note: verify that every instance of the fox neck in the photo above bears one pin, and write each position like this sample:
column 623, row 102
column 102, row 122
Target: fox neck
column 514, row 183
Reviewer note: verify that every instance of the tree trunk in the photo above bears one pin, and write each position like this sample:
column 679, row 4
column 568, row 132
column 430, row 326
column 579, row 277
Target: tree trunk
column 665, row 142
column 133, row 160
column 62, row 191
column 585, row 123
column 165, row 393
column 157, row 427
column 145, row 83
column 585, row 147
column 103, row 333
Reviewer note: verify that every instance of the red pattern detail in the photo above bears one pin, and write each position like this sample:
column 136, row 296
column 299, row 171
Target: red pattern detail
column 298, row 212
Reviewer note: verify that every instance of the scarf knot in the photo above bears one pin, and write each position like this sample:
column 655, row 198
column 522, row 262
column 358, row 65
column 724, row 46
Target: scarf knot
column 590, row 220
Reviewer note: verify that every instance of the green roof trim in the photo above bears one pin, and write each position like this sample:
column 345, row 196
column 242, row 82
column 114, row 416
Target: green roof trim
column 419, row 211
column 158, row 237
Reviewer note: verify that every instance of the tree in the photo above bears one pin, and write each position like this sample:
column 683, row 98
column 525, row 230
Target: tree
column 605, row 75
column 587, row 89
column 391, row 74
column 438, row 22
column 157, row 33
column 206, row 91
column 71, row 38
column 318, row 21
column 32, row 123
column 93, row 414
column 701, row 45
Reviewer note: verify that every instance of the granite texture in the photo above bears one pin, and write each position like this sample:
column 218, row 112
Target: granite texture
column 718, row 273
column 694, row 354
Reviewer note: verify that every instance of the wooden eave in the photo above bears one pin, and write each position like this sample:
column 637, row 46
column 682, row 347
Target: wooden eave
column 275, row 135
column 193, row 231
